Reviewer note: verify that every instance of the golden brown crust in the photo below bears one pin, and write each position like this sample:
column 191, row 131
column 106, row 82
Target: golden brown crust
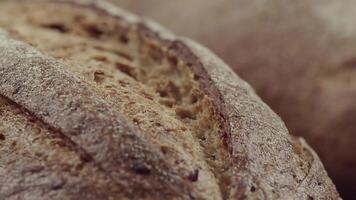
column 266, row 163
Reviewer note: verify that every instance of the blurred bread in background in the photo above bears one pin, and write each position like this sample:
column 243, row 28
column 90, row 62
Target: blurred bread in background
column 300, row 56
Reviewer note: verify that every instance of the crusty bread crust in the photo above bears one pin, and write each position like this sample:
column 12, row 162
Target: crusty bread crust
column 298, row 55
column 266, row 162
column 45, row 89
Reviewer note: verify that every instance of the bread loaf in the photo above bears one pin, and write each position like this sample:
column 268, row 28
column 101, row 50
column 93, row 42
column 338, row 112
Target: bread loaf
column 98, row 104
column 298, row 55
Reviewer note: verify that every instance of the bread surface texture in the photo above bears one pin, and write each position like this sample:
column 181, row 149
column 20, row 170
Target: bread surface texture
column 299, row 56
column 99, row 104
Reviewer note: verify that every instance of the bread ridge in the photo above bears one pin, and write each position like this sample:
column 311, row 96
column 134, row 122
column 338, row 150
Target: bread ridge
column 240, row 118
column 67, row 104
column 309, row 81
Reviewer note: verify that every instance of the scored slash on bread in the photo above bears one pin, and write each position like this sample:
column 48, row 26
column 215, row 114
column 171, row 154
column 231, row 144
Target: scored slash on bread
column 298, row 55
column 116, row 107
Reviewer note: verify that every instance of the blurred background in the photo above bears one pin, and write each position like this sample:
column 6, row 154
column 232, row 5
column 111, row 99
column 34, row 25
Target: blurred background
column 300, row 56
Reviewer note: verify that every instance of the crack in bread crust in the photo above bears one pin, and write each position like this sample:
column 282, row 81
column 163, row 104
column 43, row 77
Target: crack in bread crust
column 65, row 141
column 32, row 152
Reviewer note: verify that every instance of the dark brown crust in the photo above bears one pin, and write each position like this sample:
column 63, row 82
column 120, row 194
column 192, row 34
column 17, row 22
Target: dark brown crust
column 265, row 161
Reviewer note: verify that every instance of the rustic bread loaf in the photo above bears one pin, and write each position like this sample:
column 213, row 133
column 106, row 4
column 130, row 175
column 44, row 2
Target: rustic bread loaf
column 298, row 55
column 97, row 104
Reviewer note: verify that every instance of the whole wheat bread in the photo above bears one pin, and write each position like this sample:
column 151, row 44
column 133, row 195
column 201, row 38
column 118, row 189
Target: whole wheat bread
column 98, row 104
column 299, row 56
